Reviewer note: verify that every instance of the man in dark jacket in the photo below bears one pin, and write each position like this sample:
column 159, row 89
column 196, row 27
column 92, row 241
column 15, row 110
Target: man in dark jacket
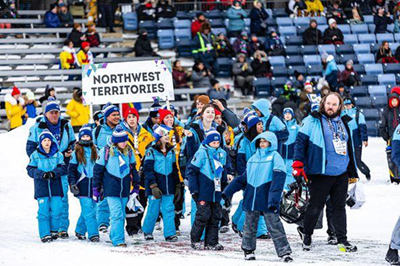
column 51, row 19
column 107, row 11
column 146, row 11
column 312, row 35
column 381, row 21
column 66, row 18
column 204, row 48
column 324, row 157
column 143, row 45
column 164, row 9
column 333, row 35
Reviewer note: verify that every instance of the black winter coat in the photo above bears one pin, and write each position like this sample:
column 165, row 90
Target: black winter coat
column 329, row 33
column 312, row 36
column 143, row 47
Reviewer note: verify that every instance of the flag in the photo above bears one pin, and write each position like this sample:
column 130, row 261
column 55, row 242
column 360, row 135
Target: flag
column 219, row 168
column 122, row 165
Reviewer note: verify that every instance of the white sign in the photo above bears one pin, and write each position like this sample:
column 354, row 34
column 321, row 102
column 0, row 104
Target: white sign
column 139, row 81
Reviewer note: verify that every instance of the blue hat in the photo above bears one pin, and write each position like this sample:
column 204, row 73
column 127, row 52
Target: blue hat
column 252, row 120
column 212, row 135
column 155, row 107
column 85, row 130
column 52, row 106
column 119, row 135
column 288, row 110
column 314, row 106
column 247, row 113
column 160, row 130
column 46, row 134
column 108, row 109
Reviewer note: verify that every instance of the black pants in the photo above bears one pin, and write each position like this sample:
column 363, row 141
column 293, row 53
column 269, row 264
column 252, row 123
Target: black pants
column 107, row 16
column 179, row 208
column 329, row 218
column 225, row 217
column 321, row 187
column 360, row 164
column 134, row 219
column 208, row 216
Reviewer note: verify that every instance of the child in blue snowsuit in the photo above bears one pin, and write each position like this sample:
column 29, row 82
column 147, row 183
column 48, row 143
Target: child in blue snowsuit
column 113, row 173
column 161, row 181
column 80, row 179
column 46, row 166
column 207, row 177
column 288, row 146
column 263, row 183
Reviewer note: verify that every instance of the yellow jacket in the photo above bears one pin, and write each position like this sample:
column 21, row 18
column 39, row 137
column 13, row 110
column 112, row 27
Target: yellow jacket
column 144, row 138
column 314, row 6
column 14, row 111
column 177, row 147
column 84, row 58
column 67, row 60
column 78, row 112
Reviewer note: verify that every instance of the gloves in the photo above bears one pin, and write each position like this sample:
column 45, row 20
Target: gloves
column 273, row 209
column 155, row 191
column 241, row 16
column 178, row 192
column 298, row 171
column 45, row 176
column 195, row 196
column 51, row 175
column 97, row 194
column 74, row 189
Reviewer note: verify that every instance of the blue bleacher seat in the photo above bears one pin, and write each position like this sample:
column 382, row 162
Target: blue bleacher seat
column 182, row 24
column 308, row 49
column 397, row 37
column 312, row 60
column 384, row 37
column 387, row 79
column 130, row 21
column 359, row 69
column 165, row 24
column 294, row 40
column 362, row 48
column 214, row 14
column 320, row 20
column 393, row 46
column 327, row 48
column 390, row 28
column 369, row 19
column 322, row 28
column 340, row 67
column 363, row 102
column 279, row 71
column 217, row 23
column 374, row 48
column 377, row 90
column 182, row 15
column 262, row 87
column 287, row 31
column 184, row 47
column 150, row 26
column 372, row 128
column 294, row 60
column 371, row 28
column 359, row 91
column 292, row 49
column 280, row 12
column 346, row 57
column 367, row 38
column 350, row 38
column 315, row 70
column 166, row 39
column 301, row 30
column 344, row 28
column 225, row 66
column 278, row 81
column 284, row 21
column 344, row 49
column 217, row 31
column 183, row 34
column 373, row 69
column 391, row 68
column 301, row 21
column 277, row 60
column 359, row 29
column 368, row 80
column 370, row 114
column 379, row 101
column 366, row 58
column 300, row 69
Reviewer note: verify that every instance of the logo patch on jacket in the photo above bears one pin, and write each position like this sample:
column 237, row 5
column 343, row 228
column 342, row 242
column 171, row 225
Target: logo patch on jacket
column 269, row 158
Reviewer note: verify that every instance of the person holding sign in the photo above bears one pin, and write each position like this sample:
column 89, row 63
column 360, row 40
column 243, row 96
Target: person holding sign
column 324, row 156
column 207, row 177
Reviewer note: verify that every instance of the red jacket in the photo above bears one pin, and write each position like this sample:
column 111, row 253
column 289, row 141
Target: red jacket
column 196, row 25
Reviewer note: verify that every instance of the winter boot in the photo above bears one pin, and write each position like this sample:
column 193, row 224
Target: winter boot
column 47, row 239
column 286, row 258
column 305, row 238
column 249, row 255
column 214, row 247
column 347, row 247
column 265, row 236
column 148, row 237
column 54, row 235
column 368, row 177
column 392, row 256
column 122, row 245
column 332, row 239
column 103, row 229
column 63, row 235
column 79, row 236
column 224, row 229
column 132, row 232
column 158, row 226
column 171, row 239
column 234, row 228
column 95, row 239
column 196, row 246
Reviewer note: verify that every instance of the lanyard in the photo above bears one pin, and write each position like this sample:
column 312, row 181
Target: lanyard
column 339, row 133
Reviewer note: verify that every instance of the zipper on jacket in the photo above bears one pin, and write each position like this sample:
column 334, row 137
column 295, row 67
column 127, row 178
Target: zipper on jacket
column 255, row 190
column 48, row 184
column 166, row 176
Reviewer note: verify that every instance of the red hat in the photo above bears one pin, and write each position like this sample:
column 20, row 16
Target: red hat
column 217, row 112
column 15, row 91
column 163, row 113
column 131, row 111
column 395, row 90
column 85, row 44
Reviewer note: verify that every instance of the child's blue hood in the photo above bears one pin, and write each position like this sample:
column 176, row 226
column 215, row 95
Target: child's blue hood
column 263, row 105
column 270, row 137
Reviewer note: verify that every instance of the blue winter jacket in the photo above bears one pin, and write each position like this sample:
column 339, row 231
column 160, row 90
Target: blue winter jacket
column 101, row 135
column 288, row 146
column 31, row 110
column 245, row 151
column 82, row 174
column 39, row 164
column 201, row 173
column 67, row 136
column 331, row 73
column 51, row 20
column 359, row 128
column 160, row 169
column 310, row 146
column 263, row 180
column 396, row 146
column 113, row 178
column 236, row 23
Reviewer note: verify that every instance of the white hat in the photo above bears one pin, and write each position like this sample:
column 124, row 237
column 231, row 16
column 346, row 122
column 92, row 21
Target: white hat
column 331, row 21
column 329, row 58
column 30, row 96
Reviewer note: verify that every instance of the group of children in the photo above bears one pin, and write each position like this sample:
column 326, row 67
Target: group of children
column 120, row 167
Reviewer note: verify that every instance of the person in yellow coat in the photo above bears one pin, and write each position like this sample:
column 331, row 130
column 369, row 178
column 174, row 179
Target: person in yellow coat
column 78, row 111
column 315, row 7
column 15, row 108
column 138, row 139
column 85, row 56
column 68, row 59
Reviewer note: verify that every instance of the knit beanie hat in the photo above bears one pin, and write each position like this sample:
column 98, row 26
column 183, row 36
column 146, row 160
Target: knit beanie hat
column 154, row 108
column 217, row 112
column 203, row 99
column 85, row 130
column 51, row 106
column 108, row 109
column 252, row 120
column 163, row 113
column 119, row 135
column 211, row 135
column 85, row 44
column 288, row 110
column 30, row 95
column 15, row 91
column 331, row 21
column 160, row 130
column 131, row 111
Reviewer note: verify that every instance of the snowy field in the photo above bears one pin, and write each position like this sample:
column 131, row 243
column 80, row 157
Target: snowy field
column 369, row 228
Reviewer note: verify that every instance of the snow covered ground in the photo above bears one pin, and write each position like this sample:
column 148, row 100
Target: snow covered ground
column 369, row 228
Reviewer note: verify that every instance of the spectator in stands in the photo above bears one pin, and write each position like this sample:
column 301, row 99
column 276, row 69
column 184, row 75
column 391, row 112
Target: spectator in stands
column 204, row 44
column 143, row 45
column 258, row 17
column 390, row 118
column 146, row 11
column 197, row 23
column 92, row 13
column 201, row 76
column 217, row 92
column 397, row 24
column 384, row 54
column 242, row 45
column 243, row 74
column 255, row 44
column 107, row 11
column 66, row 18
column 377, row 4
column 180, row 76
column 15, row 108
column 297, row 8
column 261, row 65
column 274, row 46
column 333, row 35
column 315, row 8
column 236, row 16
column 51, row 19
column 49, row 92
column 24, row 4
column 223, row 46
column 85, row 56
column 357, row 17
column 68, row 58
column 381, row 21
column 304, row 106
column 312, row 35
column 77, row 110
column 92, row 37
column 299, row 82
column 9, row 11
column 31, row 105
column 164, row 9
column 336, row 12
column 349, row 76
column 330, row 71
column 77, row 36
column 343, row 91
